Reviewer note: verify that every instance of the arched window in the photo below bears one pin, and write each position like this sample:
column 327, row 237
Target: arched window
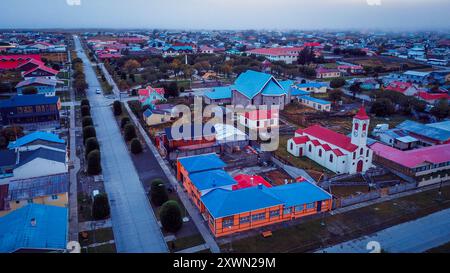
column 354, row 155
column 331, row 158
column 361, row 151
column 309, row 148
column 367, row 153
column 292, row 145
column 356, row 126
column 320, row 152
column 364, row 127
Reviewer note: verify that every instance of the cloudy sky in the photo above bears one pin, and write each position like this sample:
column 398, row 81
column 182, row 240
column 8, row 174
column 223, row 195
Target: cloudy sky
column 227, row 14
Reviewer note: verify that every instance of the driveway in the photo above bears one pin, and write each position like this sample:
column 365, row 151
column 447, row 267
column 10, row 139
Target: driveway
column 134, row 224
column 411, row 237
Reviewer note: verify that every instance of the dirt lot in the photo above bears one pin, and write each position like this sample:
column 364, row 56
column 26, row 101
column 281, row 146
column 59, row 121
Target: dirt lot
column 386, row 62
column 276, row 177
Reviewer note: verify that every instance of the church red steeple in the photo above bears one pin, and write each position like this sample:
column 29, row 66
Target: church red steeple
column 362, row 115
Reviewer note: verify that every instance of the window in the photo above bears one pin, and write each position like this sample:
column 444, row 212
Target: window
column 257, row 123
column 310, row 206
column 54, row 197
column 287, row 211
column 320, row 152
column 258, row 217
column 367, row 153
column 364, row 127
column 274, row 213
column 244, row 219
column 361, row 151
column 309, row 148
column 354, row 155
column 299, row 208
column 227, row 222
column 356, row 126
column 292, row 146
column 331, row 158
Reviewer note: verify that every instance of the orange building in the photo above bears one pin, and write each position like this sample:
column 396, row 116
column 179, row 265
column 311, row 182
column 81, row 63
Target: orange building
column 229, row 211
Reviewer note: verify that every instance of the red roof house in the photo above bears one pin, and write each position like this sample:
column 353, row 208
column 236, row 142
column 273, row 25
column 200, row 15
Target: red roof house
column 10, row 62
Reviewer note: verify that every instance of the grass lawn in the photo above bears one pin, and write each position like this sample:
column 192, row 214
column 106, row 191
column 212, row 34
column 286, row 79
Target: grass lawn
column 108, row 248
column 97, row 236
column 185, row 242
column 84, row 207
column 310, row 235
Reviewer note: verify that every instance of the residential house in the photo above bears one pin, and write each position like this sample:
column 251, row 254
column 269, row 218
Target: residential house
column 288, row 55
column 405, row 88
column 12, row 62
column 417, row 77
column 336, row 152
column 312, row 87
column 50, row 190
column 155, row 117
column 218, row 95
column 428, row 134
column 43, row 86
column 258, row 119
column 38, row 140
column 31, row 109
column 432, row 98
column 187, row 136
column 150, row 96
column 327, row 73
column 315, row 103
column 41, row 72
column 34, row 228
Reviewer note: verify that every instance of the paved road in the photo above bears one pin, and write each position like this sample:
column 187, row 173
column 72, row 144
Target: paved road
column 134, row 223
column 411, row 237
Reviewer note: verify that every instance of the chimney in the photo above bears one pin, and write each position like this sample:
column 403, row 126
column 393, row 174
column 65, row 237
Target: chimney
column 33, row 222
column 260, row 186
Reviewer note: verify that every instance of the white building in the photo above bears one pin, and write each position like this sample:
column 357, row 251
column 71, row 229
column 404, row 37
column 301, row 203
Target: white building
column 336, row 152
column 258, row 119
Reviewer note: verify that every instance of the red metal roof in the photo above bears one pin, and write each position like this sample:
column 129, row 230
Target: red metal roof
column 412, row 158
column 276, row 51
column 261, row 114
column 327, row 135
column 315, row 142
column 338, row 152
column 300, row 140
column 248, row 181
column 42, row 67
column 399, row 86
column 433, row 96
column 362, row 114
column 8, row 62
column 326, row 147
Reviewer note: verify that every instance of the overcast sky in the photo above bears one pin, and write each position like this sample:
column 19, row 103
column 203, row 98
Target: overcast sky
column 227, row 14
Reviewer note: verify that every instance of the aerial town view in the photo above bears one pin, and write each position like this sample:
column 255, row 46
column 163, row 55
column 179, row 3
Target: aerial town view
column 225, row 127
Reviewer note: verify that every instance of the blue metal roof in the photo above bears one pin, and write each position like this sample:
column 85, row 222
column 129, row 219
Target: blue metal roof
column 316, row 100
column 287, row 84
column 298, row 193
column 311, row 84
column 7, row 158
column 212, row 179
column 221, row 203
column 201, row 163
column 33, row 137
column 250, row 83
column 273, row 88
column 28, row 100
column 444, row 125
column 148, row 113
column 425, row 130
column 218, row 93
column 48, row 154
column 296, row 92
column 49, row 232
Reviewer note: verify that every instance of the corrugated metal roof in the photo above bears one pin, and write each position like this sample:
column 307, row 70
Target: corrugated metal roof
column 49, row 231
column 48, row 154
column 212, row 179
column 202, row 163
column 38, row 187
column 424, row 130
column 33, row 137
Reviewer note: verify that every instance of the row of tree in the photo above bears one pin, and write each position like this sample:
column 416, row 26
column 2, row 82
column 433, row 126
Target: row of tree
column 170, row 212
column 129, row 130
column 91, row 145
column 79, row 78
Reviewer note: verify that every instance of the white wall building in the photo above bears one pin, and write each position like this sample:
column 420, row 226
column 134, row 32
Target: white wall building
column 336, row 152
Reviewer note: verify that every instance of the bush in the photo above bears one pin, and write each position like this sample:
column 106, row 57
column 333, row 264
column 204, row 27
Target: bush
column 85, row 102
column 158, row 192
column 85, row 110
column 100, row 207
column 136, row 146
column 129, row 132
column 170, row 216
column 88, row 132
column 124, row 121
column 87, row 121
column 94, row 166
column 117, row 107
column 382, row 107
column 91, row 145
column 337, row 83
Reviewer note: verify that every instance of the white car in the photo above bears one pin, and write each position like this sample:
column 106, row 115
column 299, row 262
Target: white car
column 98, row 91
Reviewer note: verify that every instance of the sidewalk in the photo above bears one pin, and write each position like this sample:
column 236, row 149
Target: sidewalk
column 193, row 212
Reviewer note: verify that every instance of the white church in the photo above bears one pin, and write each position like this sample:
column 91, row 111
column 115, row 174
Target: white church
column 336, row 152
